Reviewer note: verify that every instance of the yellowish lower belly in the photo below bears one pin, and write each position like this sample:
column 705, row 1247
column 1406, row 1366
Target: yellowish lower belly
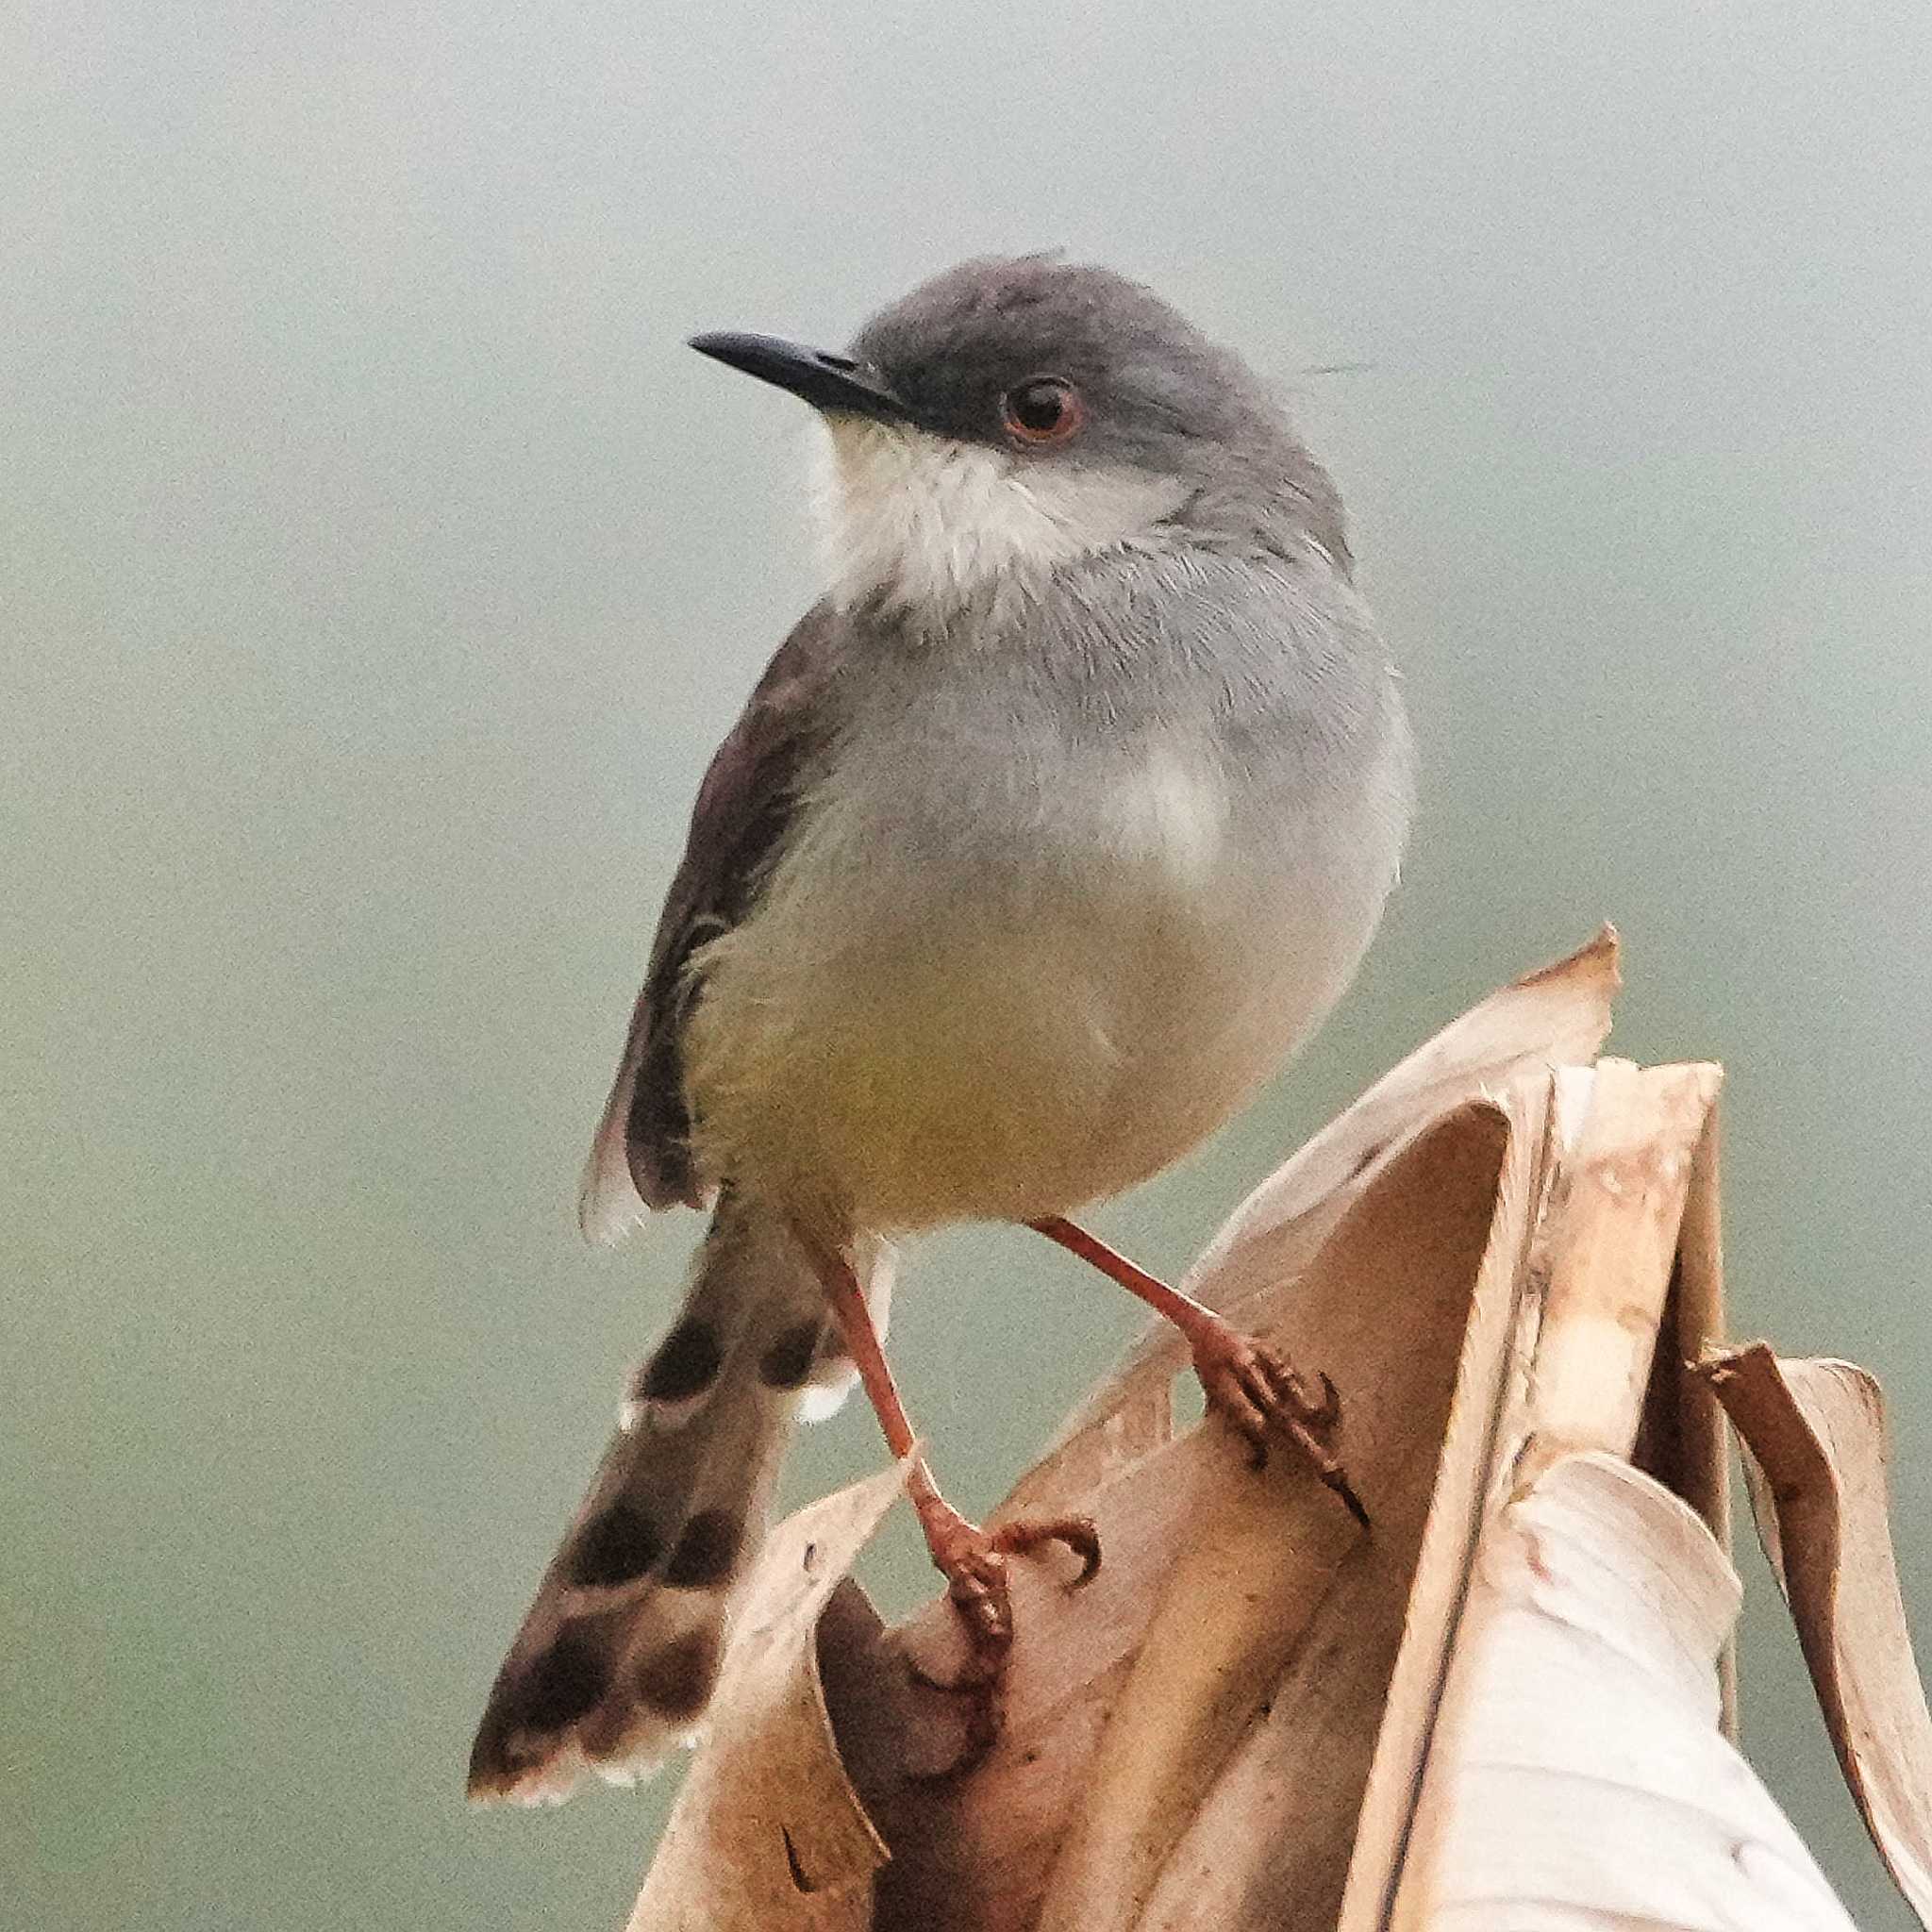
column 931, row 1075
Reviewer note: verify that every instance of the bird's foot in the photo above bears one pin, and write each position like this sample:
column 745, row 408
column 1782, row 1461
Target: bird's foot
column 973, row 1562
column 1246, row 1381
column 1261, row 1394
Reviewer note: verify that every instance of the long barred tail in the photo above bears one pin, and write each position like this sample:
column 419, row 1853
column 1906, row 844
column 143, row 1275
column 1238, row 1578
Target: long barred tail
column 619, row 1655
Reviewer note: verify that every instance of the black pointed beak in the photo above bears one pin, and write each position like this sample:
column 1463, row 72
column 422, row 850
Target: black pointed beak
column 825, row 380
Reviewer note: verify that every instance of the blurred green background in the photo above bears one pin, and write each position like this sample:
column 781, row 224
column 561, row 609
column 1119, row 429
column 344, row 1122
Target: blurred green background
column 378, row 572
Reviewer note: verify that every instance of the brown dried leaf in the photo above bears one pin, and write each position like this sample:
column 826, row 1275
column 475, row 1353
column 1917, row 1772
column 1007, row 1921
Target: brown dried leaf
column 1605, row 1207
column 1816, row 1434
column 1275, row 1608
column 1271, row 1842
column 1610, row 1255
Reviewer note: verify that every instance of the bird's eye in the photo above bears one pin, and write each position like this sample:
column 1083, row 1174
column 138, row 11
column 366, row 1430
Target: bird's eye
column 1046, row 410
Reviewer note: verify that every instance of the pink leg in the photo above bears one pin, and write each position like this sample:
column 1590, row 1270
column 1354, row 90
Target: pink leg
column 1256, row 1387
column 973, row 1559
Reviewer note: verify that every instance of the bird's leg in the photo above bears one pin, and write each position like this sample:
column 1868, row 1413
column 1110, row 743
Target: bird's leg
column 1254, row 1387
column 973, row 1561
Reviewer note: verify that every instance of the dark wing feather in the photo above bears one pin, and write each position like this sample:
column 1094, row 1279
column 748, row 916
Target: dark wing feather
column 642, row 1156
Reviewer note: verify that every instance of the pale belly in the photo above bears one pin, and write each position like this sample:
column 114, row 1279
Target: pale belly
column 1037, row 1073
column 892, row 1046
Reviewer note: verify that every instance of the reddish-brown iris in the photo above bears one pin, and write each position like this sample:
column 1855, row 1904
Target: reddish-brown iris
column 1046, row 409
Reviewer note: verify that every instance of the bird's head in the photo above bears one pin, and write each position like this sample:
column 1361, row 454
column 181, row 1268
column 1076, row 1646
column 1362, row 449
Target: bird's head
column 1012, row 415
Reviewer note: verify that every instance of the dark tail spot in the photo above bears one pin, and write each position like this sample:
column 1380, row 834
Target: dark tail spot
column 787, row 1362
column 566, row 1681
column 686, row 1364
column 619, row 1546
column 677, row 1679
column 705, row 1551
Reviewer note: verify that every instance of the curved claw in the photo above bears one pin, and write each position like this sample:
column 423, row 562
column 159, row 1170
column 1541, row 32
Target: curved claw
column 1323, row 1412
column 1077, row 1533
column 1338, row 1481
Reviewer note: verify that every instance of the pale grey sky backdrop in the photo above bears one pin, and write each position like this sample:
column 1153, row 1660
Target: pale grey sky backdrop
column 378, row 571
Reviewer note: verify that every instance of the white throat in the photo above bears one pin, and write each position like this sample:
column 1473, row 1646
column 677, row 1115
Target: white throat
column 924, row 521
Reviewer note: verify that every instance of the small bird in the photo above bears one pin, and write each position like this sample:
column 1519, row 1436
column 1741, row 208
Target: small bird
column 1050, row 831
